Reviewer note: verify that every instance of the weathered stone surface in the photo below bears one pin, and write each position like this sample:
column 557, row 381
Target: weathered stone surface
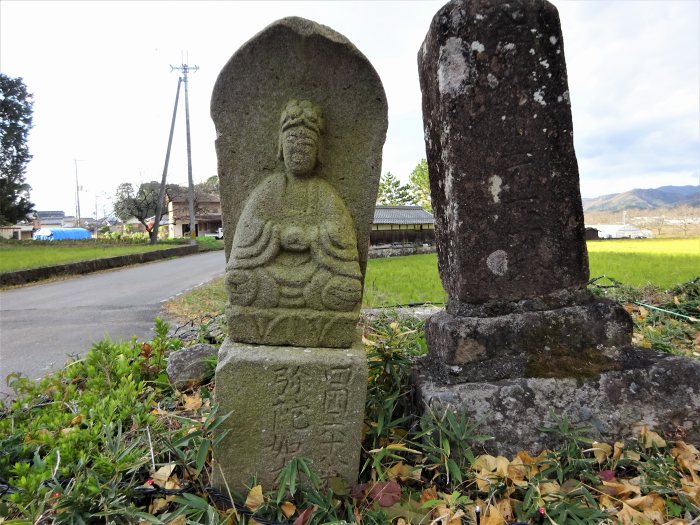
column 499, row 141
column 301, row 118
column 645, row 388
column 188, row 367
column 286, row 403
column 562, row 342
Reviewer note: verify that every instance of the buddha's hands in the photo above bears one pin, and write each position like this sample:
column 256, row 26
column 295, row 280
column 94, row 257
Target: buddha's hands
column 242, row 286
column 341, row 293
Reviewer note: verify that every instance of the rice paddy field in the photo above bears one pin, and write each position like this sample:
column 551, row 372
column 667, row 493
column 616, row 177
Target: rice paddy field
column 662, row 263
column 636, row 262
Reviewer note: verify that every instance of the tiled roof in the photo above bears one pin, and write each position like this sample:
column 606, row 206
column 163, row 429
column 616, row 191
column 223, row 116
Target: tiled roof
column 401, row 215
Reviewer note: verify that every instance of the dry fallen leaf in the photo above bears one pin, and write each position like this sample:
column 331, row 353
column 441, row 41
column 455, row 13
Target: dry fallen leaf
column 629, row 516
column 601, row 451
column 288, row 509
column 517, row 472
column 160, row 477
column 651, row 505
column 193, row 402
column 622, row 487
column 650, row 438
column 255, row 498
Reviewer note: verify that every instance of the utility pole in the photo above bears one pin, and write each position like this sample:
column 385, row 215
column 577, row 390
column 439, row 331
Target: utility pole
column 161, row 191
column 185, row 68
column 77, row 195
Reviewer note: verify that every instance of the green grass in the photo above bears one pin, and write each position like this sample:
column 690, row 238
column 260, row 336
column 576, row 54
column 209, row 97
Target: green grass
column 21, row 256
column 403, row 280
column 99, row 440
column 639, row 262
column 662, row 263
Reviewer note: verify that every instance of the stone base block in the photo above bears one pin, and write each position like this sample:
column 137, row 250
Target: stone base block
column 561, row 342
column 288, row 402
column 292, row 326
column 645, row 388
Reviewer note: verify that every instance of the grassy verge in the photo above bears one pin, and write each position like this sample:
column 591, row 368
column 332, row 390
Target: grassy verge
column 108, row 440
column 21, row 256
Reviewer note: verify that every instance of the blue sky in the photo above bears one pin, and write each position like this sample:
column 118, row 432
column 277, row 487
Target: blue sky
column 104, row 91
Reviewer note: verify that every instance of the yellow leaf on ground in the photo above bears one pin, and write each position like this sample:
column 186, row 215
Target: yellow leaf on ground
column 492, row 516
column 684, row 450
column 288, row 509
column 650, row 438
column 629, row 516
column 549, row 488
column 691, row 489
column 403, row 472
column 652, row 505
column 160, row 477
column 444, row 514
column 620, row 452
column 180, row 520
column 607, row 503
column 497, row 465
column 193, row 402
column 428, row 494
column 601, row 451
column 157, row 505
column 368, row 342
column 255, row 498
column 534, row 465
column 623, row 487
column 517, row 472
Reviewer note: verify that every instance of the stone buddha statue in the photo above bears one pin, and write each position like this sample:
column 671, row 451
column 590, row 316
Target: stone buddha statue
column 294, row 263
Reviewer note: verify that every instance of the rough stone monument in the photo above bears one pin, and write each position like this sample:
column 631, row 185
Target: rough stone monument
column 301, row 119
column 520, row 334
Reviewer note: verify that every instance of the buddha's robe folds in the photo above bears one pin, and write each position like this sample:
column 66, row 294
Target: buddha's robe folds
column 295, row 247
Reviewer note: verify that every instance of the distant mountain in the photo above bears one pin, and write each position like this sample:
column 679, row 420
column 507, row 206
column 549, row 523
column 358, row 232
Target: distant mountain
column 663, row 197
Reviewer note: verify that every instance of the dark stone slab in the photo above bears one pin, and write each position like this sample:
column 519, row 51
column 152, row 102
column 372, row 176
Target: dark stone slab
column 563, row 342
column 188, row 366
column 644, row 388
column 499, row 140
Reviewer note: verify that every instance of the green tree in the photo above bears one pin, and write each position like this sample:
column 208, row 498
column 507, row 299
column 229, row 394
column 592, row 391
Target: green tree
column 392, row 193
column 211, row 185
column 420, row 185
column 140, row 203
column 16, row 106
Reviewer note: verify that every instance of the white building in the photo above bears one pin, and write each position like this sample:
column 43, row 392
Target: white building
column 620, row 231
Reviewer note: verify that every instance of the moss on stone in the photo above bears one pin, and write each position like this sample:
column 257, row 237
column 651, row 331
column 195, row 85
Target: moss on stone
column 563, row 363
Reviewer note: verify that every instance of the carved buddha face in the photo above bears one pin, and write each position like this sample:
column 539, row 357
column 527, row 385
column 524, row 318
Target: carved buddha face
column 299, row 149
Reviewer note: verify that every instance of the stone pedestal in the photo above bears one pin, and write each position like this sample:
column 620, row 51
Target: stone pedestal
column 642, row 387
column 521, row 336
column 288, row 402
column 559, row 342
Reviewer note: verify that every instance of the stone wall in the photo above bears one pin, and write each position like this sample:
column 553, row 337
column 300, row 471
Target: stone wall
column 381, row 252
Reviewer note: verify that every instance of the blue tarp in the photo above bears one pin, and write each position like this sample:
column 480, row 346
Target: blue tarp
column 61, row 234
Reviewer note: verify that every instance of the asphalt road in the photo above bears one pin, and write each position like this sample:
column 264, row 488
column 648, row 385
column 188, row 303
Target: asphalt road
column 42, row 325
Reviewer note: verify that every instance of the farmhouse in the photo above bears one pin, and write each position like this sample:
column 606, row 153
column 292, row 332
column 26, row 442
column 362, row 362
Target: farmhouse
column 207, row 214
column 402, row 225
